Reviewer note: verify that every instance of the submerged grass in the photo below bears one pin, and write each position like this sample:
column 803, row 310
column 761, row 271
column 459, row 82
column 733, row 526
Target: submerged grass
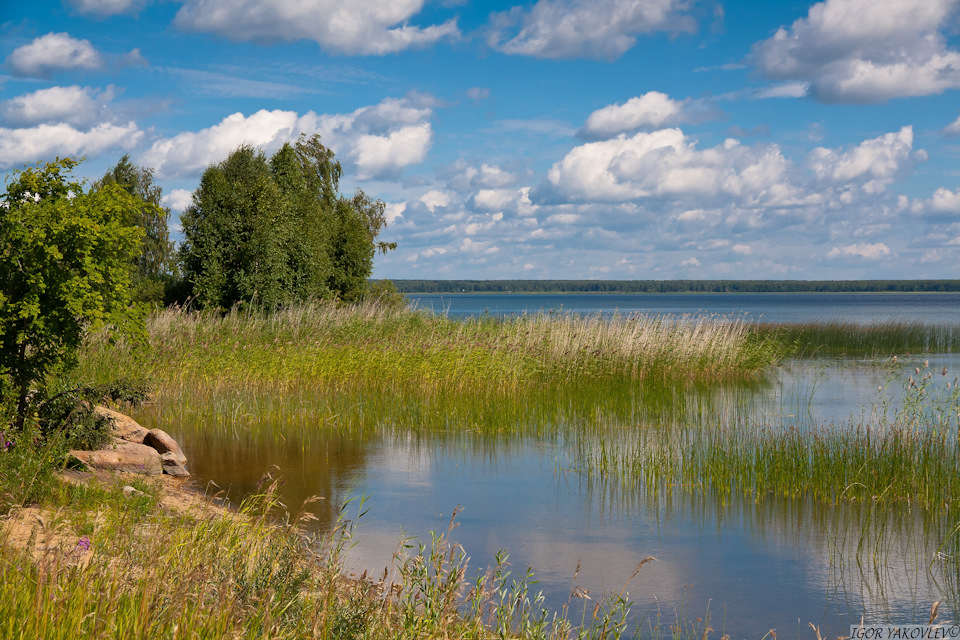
column 909, row 455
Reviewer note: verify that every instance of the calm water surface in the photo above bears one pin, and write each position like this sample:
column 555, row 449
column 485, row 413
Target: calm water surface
column 762, row 307
column 754, row 566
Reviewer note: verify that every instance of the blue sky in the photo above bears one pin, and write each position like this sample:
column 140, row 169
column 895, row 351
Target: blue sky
column 611, row 139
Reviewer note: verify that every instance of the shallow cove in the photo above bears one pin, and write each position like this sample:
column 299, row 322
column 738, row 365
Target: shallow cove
column 753, row 564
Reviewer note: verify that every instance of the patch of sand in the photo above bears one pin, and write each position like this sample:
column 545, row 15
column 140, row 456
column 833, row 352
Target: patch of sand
column 45, row 533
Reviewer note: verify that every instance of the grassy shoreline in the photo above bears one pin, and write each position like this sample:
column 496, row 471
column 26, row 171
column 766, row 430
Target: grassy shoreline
column 97, row 563
column 366, row 368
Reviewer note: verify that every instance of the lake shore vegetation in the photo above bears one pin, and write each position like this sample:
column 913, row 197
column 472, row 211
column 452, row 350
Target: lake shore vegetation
column 281, row 335
column 385, row 344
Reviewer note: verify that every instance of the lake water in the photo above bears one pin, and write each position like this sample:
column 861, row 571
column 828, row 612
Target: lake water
column 762, row 307
column 754, row 566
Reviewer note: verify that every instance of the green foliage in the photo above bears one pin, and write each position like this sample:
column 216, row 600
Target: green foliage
column 65, row 412
column 26, row 472
column 276, row 231
column 63, row 420
column 155, row 268
column 236, row 233
column 64, row 270
column 385, row 294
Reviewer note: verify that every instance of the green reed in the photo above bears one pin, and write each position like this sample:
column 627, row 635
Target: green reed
column 835, row 338
column 333, row 346
column 305, row 411
column 910, row 455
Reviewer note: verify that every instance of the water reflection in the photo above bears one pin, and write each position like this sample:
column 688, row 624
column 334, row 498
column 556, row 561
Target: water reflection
column 775, row 563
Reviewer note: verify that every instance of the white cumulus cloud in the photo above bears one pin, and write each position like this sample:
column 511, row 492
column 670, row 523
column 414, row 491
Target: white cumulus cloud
column 394, row 211
column 178, row 199
column 355, row 27
column 513, row 201
column 487, row 176
column 380, row 140
column 73, row 105
column 943, row 201
column 54, row 52
column 953, row 129
column 866, row 51
column 378, row 155
column 585, row 28
column 435, row 199
column 652, row 110
column 666, row 163
column 878, row 159
column 861, row 250
column 492, row 199
column 19, row 146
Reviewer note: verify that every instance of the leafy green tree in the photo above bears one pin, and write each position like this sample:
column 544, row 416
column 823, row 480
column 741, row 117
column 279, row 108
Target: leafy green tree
column 308, row 258
column 237, row 233
column 64, row 269
column 156, row 264
column 276, row 231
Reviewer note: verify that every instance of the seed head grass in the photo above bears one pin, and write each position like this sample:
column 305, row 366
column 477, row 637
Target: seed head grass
column 141, row 571
column 322, row 345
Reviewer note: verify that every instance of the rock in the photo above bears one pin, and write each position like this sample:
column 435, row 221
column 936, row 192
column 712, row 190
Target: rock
column 172, row 465
column 131, row 492
column 125, row 456
column 123, row 426
column 135, row 449
column 163, row 443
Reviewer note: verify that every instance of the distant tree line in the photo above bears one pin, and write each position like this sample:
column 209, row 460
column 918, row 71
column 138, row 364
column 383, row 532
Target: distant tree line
column 671, row 286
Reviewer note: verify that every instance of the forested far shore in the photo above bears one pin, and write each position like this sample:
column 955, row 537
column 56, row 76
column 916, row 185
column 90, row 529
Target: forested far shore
column 672, row 286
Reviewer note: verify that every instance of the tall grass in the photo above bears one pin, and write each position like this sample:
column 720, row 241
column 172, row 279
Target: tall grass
column 622, row 392
column 835, row 338
column 327, row 346
column 909, row 455
column 134, row 571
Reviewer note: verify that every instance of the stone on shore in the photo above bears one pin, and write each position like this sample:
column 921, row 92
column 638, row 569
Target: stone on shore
column 163, row 443
column 172, row 465
column 123, row 456
column 135, row 449
column 123, row 426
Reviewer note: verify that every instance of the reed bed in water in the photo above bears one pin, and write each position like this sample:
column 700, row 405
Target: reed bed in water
column 323, row 345
column 908, row 455
column 835, row 338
